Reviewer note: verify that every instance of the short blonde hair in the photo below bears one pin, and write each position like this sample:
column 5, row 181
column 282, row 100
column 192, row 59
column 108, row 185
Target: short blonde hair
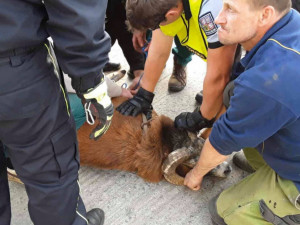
column 280, row 5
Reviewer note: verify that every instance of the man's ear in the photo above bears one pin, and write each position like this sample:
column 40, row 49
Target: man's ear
column 267, row 15
column 174, row 13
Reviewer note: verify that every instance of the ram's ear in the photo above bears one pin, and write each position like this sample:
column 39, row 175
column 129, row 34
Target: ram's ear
column 174, row 159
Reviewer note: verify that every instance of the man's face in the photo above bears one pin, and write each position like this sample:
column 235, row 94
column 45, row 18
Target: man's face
column 238, row 22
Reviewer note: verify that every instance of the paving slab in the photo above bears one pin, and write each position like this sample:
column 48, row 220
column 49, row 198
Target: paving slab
column 126, row 198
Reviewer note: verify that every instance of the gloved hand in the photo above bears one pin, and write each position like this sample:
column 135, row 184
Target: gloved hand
column 97, row 103
column 140, row 103
column 193, row 121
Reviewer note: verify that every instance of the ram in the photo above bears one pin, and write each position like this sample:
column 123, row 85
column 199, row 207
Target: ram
column 152, row 149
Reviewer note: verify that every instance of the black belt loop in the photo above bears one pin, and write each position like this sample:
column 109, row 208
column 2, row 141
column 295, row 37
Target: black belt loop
column 15, row 60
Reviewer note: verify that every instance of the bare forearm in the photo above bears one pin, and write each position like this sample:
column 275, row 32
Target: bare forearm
column 219, row 64
column 209, row 159
column 158, row 55
column 153, row 69
column 213, row 88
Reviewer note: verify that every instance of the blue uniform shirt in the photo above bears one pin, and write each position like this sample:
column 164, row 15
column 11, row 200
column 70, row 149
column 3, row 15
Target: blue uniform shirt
column 264, row 112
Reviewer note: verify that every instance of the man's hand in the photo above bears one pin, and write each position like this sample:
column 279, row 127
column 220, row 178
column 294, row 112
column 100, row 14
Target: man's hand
column 193, row 121
column 135, row 85
column 209, row 159
column 126, row 93
column 192, row 180
column 140, row 103
column 98, row 104
column 138, row 40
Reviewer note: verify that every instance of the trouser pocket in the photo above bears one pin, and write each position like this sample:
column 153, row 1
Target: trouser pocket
column 27, row 89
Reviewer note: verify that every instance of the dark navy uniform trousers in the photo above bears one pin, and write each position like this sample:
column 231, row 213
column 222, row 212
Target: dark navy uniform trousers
column 39, row 133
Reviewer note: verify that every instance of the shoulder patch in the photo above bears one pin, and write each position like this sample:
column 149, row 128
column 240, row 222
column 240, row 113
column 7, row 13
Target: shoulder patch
column 207, row 23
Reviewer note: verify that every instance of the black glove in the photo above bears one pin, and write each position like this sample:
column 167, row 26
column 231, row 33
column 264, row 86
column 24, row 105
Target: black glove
column 97, row 103
column 140, row 103
column 193, row 121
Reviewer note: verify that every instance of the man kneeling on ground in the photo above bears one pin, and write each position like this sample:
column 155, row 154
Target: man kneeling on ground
column 263, row 115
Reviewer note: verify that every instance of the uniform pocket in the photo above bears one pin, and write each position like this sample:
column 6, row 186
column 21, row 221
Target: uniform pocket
column 28, row 89
column 65, row 149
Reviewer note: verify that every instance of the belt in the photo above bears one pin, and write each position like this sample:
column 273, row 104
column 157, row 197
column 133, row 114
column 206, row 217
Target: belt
column 13, row 55
column 18, row 51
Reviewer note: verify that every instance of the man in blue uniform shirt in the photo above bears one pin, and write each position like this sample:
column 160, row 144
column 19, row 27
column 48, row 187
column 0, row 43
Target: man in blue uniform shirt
column 263, row 116
column 36, row 125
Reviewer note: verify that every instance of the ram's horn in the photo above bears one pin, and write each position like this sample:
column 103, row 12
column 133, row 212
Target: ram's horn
column 174, row 159
column 191, row 163
column 182, row 156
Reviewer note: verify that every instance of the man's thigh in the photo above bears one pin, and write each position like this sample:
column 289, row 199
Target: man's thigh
column 33, row 109
column 240, row 203
column 44, row 152
column 41, row 142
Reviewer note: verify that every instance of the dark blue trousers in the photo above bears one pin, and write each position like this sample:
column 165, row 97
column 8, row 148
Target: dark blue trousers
column 39, row 133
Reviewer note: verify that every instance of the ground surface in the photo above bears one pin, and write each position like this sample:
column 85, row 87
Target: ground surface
column 126, row 198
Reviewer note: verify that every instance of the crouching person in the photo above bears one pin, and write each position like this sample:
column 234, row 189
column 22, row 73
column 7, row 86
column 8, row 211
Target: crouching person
column 263, row 115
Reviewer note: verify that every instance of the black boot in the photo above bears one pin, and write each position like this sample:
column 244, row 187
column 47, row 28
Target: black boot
column 95, row 217
column 241, row 162
column 130, row 74
column 111, row 67
column 199, row 97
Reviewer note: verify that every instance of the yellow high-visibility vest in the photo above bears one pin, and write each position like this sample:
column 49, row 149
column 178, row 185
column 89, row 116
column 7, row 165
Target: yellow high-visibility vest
column 189, row 31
